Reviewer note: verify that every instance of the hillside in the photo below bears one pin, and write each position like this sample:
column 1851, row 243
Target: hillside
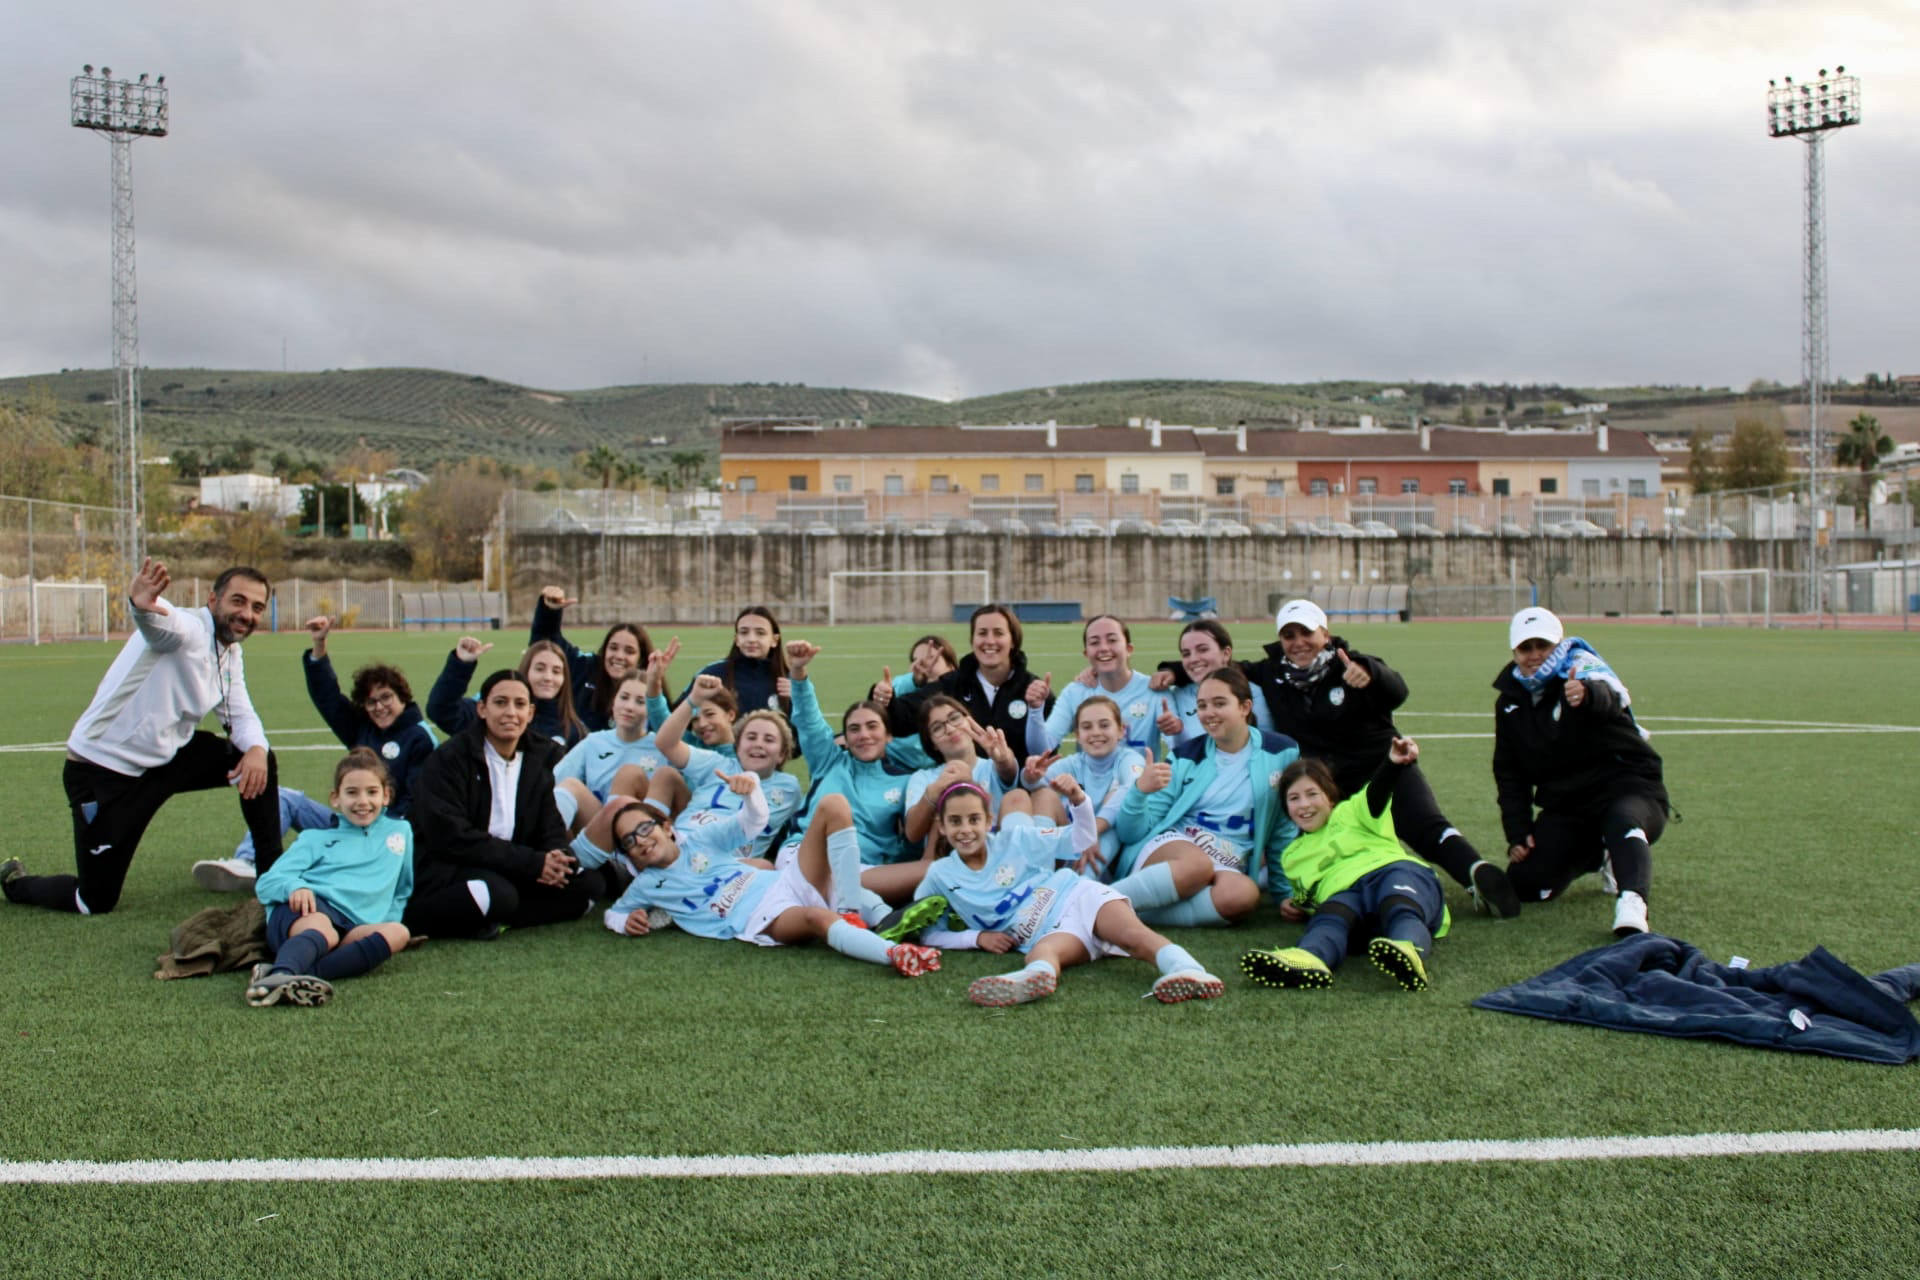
column 427, row 416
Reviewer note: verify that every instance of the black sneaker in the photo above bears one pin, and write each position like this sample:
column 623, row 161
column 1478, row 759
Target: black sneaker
column 1493, row 892
column 907, row 922
column 10, row 870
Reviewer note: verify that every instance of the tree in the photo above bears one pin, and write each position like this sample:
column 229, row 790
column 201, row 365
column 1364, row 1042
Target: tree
column 187, row 464
column 1863, row 446
column 444, row 521
column 1756, row 457
column 602, row 463
column 1703, row 465
column 256, row 538
column 687, row 465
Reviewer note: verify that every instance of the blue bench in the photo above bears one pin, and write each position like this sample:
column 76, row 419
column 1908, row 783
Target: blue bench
column 463, row 609
column 1029, row 610
column 1381, row 600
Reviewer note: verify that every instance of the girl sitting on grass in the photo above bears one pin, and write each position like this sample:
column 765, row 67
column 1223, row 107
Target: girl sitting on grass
column 334, row 899
column 1347, row 866
column 1009, row 888
column 1104, row 767
column 698, row 872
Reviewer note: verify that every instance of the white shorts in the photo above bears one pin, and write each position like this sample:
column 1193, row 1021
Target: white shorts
column 1083, row 903
column 791, row 890
column 1224, row 853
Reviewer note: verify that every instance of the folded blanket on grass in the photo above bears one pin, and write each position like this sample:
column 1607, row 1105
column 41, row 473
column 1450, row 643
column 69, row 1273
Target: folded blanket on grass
column 216, row 940
column 1670, row 988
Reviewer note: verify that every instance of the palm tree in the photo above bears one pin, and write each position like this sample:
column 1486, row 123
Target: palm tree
column 602, row 462
column 1863, row 446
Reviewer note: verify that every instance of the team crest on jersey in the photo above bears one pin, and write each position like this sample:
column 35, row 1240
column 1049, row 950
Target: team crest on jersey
column 1006, row 875
column 893, row 795
column 703, row 818
column 773, row 702
column 1135, row 769
column 1137, row 709
column 699, row 862
column 1273, row 780
column 391, row 750
column 1338, row 696
column 396, row 844
column 1018, row 711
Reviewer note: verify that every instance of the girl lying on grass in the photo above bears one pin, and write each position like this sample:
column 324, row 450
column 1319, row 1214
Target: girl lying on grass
column 1347, row 866
column 1009, row 888
column 698, row 870
column 334, row 899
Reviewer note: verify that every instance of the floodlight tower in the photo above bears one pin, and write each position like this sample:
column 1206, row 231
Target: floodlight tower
column 122, row 110
column 1810, row 112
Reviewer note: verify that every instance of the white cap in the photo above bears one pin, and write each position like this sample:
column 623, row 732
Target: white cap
column 1303, row 612
column 1534, row 624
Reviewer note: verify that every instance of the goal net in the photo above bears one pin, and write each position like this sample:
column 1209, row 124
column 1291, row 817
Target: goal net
column 47, row 612
column 1733, row 597
column 904, row 595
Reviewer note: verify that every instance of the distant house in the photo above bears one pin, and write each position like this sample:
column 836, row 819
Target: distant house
column 248, row 491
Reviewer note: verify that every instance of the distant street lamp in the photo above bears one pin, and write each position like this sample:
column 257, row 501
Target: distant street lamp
column 1809, row 112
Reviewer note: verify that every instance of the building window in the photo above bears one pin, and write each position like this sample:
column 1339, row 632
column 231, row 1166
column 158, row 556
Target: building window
column 796, row 484
column 1457, row 487
column 1590, row 488
column 1129, row 483
column 1035, row 482
column 1502, row 487
column 749, row 484
column 843, row 484
column 1276, row 488
column 894, row 486
column 1083, row 484
column 1179, row 481
column 939, row 484
column 1409, row 486
column 990, row 483
column 1317, row 487
column 1223, row 486
column 1366, row 484
column 1636, row 488
column 1549, row 484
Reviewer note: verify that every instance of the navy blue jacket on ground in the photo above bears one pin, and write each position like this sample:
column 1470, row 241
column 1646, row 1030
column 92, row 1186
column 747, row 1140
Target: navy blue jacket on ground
column 1670, row 988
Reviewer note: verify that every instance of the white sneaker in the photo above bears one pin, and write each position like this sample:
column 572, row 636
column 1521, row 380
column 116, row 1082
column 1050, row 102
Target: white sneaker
column 1629, row 915
column 1188, row 984
column 1607, row 883
column 224, row 875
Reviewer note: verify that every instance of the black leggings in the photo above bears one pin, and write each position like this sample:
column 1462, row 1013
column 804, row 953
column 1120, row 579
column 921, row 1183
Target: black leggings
column 447, row 910
column 121, row 807
column 1569, row 843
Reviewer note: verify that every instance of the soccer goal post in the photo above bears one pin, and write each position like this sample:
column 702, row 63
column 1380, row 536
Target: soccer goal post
column 46, row 612
column 1728, row 597
column 903, row 595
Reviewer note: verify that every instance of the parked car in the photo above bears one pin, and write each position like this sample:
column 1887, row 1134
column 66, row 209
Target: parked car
column 1337, row 529
column 1508, row 529
column 1377, row 529
column 1421, row 529
column 1049, row 529
column 820, row 529
column 862, row 528
column 1270, row 529
column 1468, row 529
column 1227, row 529
column 1175, row 527
column 774, row 526
column 736, row 528
column 968, row 526
column 1010, row 524
column 1579, row 528
column 1128, row 524
column 1085, row 527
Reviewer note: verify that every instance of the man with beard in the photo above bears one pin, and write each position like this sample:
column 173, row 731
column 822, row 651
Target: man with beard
column 139, row 743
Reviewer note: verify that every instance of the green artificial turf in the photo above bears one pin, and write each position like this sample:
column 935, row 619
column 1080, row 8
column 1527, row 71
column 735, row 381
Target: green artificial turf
column 568, row 1041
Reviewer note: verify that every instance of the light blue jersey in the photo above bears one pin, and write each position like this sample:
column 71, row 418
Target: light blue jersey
column 1106, row 780
column 707, row 890
column 598, row 756
column 1139, row 713
column 1021, row 887
column 366, row 872
column 782, row 792
column 876, row 790
column 984, row 772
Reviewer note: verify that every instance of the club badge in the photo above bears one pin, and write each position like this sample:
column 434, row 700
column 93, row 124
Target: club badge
column 391, row 750
column 396, row 844
column 1338, row 696
column 1018, row 711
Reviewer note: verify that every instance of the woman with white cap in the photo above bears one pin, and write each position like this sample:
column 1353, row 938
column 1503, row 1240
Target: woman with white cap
column 1580, row 788
column 1338, row 705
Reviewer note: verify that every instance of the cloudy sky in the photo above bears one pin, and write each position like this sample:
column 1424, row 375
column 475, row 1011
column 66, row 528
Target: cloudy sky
column 966, row 198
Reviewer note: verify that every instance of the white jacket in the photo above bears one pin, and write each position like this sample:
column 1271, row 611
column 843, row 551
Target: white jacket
column 171, row 673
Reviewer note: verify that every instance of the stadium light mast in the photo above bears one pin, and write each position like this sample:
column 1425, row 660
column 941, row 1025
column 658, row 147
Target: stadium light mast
column 1810, row 112
column 122, row 110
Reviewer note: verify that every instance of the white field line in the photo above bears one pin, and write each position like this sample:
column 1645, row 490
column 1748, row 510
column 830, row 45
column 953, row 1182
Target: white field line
column 1789, row 724
column 893, row 1163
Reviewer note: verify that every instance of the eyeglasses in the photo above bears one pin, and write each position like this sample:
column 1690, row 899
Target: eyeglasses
column 382, row 698
column 953, row 721
column 632, row 839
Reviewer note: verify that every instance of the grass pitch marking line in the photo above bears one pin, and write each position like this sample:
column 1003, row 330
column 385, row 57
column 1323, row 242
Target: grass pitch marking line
column 880, row 1164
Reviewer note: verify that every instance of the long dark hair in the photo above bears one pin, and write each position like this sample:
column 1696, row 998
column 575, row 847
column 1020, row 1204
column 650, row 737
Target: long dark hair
column 938, row 702
column 1017, row 660
column 570, row 725
column 776, row 658
column 604, row 685
column 939, row 846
